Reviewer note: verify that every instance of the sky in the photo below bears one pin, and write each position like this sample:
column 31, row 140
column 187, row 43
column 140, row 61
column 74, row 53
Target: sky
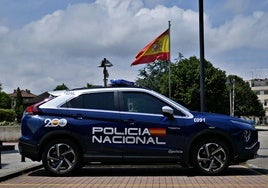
column 45, row 43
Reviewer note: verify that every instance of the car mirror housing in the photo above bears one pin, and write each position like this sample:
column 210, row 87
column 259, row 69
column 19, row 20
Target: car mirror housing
column 167, row 111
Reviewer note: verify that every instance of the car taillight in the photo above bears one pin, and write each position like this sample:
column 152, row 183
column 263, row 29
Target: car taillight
column 34, row 109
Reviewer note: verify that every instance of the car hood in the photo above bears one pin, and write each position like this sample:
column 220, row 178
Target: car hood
column 223, row 120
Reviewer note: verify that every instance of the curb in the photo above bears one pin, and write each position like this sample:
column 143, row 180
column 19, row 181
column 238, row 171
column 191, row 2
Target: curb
column 19, row 172
column 261, row 129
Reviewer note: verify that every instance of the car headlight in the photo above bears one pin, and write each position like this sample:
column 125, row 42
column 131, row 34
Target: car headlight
column 246, row 135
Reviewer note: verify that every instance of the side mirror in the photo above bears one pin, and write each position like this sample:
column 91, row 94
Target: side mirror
column 167, row 111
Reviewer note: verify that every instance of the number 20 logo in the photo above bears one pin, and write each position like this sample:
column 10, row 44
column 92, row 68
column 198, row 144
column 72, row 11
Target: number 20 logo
column 55, row 122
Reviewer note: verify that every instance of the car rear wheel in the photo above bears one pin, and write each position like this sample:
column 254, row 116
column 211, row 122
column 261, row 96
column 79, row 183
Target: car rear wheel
column 210, row 156
column 61, row 157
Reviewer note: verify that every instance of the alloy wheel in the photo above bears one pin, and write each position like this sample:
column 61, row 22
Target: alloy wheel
column 61, row 158
column 211, row 157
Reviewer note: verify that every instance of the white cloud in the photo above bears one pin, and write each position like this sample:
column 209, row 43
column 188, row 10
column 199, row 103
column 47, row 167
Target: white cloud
column 243, row 31
column 237, row 6
column 3, row 30
column 66, row 46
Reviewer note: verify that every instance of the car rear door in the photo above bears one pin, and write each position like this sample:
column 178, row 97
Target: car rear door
column 96, row 117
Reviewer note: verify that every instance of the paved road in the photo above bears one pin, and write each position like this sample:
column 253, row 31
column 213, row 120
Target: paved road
column 262, row 160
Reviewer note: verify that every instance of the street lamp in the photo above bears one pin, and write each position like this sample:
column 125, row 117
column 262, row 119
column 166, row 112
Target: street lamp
column 231, row 83
column 105, row 63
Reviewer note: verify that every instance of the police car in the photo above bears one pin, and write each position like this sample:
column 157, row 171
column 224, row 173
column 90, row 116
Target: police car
column 130, row 125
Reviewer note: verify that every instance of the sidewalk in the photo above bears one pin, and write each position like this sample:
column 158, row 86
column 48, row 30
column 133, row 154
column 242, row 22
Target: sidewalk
column 12, row 165
column 262, row 128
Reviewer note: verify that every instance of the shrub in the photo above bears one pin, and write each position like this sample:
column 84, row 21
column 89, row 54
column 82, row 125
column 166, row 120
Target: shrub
column 7, row 115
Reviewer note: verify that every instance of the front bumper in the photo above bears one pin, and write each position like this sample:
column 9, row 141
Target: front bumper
column 248, row 153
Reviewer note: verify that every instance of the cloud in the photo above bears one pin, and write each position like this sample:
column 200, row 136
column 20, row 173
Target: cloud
column 3, row 30
column 237, row 6
column 66, row 46
column 242, row 31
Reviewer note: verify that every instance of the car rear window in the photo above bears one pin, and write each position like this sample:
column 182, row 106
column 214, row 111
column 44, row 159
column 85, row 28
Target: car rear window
column 99, row 101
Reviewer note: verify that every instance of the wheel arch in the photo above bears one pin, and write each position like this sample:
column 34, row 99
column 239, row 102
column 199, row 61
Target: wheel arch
column 60, row 135
column 210, row 134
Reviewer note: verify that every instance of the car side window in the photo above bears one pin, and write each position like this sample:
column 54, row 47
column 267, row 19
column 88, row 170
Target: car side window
column 98, row 101
column 142, row 103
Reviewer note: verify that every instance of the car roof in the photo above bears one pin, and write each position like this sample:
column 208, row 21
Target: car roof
column 60, row 97
column 94, row 90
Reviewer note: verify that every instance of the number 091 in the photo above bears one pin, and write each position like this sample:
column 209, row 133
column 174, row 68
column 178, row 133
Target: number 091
column 199, row 120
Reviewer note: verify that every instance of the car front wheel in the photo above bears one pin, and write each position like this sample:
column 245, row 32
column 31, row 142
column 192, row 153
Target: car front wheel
column 61, row 157
column 210, row 156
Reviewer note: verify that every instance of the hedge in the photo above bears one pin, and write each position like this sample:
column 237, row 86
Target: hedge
column 7, row 115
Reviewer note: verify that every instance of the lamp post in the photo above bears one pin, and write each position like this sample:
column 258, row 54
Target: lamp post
column 231, row 83
column 105, row 63
column 202, row 57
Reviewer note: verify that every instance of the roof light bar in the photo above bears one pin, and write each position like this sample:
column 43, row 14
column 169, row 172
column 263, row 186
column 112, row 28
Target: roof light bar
column 121, row 82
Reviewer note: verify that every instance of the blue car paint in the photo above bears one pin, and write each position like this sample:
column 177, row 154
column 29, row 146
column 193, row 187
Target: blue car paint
column 180, row 134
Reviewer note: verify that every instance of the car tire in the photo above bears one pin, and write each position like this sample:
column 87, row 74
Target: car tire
column 210, row 156
column 61, row 157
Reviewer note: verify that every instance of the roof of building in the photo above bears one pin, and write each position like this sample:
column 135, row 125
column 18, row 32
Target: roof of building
column 24, row 93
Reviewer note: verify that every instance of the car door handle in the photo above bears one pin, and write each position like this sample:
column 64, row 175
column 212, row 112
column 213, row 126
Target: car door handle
column 130, row 122
column 174, row 128
column 79, row 116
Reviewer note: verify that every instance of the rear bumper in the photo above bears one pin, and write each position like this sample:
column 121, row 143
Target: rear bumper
column 29, row 150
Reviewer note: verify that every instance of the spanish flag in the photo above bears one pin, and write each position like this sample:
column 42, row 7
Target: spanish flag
column 158, row 49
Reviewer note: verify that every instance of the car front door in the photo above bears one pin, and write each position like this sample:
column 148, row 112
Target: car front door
column 148, row 134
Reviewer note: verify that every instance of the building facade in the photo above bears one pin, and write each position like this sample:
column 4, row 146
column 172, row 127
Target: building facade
column 260, row 87
column 26, row 96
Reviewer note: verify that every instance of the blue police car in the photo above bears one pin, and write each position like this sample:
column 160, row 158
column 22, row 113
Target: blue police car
column 127, row 125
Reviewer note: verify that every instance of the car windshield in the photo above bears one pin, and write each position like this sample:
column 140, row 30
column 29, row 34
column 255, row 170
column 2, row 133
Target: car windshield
column 173, row 102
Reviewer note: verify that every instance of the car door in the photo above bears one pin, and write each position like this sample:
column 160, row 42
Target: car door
column 149, row 135
column 96, row 117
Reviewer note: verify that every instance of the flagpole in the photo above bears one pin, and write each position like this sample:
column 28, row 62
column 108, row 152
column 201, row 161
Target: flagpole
column 169, row 62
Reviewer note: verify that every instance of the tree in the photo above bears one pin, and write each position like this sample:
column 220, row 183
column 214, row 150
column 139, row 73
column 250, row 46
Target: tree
column 185, row 89
column 89, row 85
column 152, row 75
column 246, row 101
column 185, row 85
column 19, row 105
column 5, row 100
column 61, row 87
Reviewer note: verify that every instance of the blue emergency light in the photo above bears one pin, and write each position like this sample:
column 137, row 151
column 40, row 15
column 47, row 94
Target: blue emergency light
column 121, row 82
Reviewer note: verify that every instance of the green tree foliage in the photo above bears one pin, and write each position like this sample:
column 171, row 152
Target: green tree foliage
column 19, row 105
column 89, row 85
column 61, row 87
column 246, row 101
column 185, row 76
column 5, row 100
column 152, row 75
column 7, row 115
column 185, row 81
